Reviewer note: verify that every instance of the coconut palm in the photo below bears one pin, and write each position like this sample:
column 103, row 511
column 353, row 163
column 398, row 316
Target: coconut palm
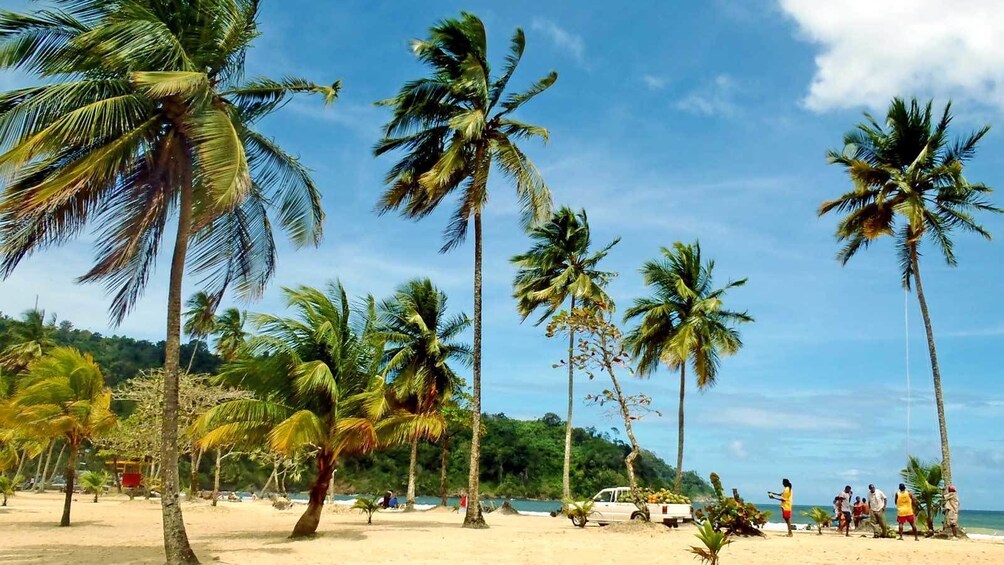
column 927, row 482
column 200, row 320
column 94, row 483
column 64, row 395
column 367, row 506
column 230, row 334
column 420, row 345
column 144, row 114
column 909, row 184
column 559, row 268
column 684, row 320
column 819, row 516
column 29, row 339
column 316, row 385
column 453, row 126
column 7, row 487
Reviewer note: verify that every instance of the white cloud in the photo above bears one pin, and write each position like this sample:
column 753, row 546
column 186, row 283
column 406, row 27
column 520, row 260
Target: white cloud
column 654, row 82
column 872, row 51
column 737, row 449
column 712, row 99
column 565, row 40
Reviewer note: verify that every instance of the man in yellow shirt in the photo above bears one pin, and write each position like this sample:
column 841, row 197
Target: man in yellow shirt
column 905, row 503
column 785, row 498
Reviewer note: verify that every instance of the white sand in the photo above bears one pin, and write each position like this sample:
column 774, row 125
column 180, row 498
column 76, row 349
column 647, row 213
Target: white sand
column 117, row 530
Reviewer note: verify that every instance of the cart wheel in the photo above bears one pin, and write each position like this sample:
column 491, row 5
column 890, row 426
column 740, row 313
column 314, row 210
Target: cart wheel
column 579, row 521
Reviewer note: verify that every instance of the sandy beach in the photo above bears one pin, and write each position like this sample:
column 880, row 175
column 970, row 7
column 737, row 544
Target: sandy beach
column 117, row 530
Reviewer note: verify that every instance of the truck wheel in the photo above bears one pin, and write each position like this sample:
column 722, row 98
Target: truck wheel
column 579, row 521
column 639, row 517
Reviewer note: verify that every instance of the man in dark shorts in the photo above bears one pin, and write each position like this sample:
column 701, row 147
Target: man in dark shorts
column 845, row 510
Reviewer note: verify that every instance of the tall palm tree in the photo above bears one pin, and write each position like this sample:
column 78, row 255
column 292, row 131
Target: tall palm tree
column 317, row 387
column 143, row 115
column 909, row 184
column 64, row 395
column 684, row 320
column 200, row 320
column 230, row 334
column 420, row 344
column 559, row 267
column 453, row 126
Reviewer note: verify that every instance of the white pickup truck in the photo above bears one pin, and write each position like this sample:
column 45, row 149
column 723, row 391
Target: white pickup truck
column 607, row 508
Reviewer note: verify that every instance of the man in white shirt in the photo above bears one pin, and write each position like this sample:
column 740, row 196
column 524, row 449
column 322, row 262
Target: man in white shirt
column 845, row 510
column 877, row 501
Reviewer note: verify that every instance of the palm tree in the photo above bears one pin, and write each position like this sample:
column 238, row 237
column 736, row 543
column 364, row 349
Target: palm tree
column 367, row 506
column 64, row 395
column 926, row 481
column 909, row 183
column 453, row 126
column 30, row 338
column 419, row 338
column 143, row 113
column 683, row 321
column 200, row 320
column 94, row 483
column 230, row 334
column 558, row 268
column 317, row 387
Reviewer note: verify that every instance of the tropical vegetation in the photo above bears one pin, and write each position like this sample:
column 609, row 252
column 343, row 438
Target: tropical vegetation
column 367, row 506
column 144, row 114
column 927, row 483
column 452, row 127
column 683, row 321
column 909, row 183
column 560, row 267
column 713, row 542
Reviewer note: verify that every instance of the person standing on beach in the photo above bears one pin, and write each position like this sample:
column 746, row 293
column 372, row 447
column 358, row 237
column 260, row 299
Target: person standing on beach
column 877, row 501
column 905, row 503
column 785, row 498
column 952, row 511
column 845, row 510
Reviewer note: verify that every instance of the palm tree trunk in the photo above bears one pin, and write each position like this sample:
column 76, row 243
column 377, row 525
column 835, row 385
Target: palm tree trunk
column 38, row 470
column 409, row 505
column 946, row 457
column 444, row 460
column 55, row 467
column 71, row 473
column 678, row 483
column 216, row 476
column 196, row 457
column 20, row 464
column 176, row 545
column 192, row 359
column 566, row 484
column 115, row 474
column 275, row 471
column 40, row 486
column 307, row 524
column 474, row 519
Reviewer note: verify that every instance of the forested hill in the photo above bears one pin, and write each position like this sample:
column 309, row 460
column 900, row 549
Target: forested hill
column 120, row 358
column 520, row 458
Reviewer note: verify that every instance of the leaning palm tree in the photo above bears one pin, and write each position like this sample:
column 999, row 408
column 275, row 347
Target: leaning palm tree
column 453, row 127
column 420, row 345
column 200, row 320
column 683, row 321
column 64, row 395
column 559, row 268
column 909, row 184
column 230, row 334
column 317, row 387
column 143, row 120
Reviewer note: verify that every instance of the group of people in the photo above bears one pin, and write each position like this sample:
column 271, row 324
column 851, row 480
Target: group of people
column 874, row 507
column 389, row 500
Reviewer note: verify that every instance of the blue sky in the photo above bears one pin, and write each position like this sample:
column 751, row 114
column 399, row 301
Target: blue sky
column 708, row 120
